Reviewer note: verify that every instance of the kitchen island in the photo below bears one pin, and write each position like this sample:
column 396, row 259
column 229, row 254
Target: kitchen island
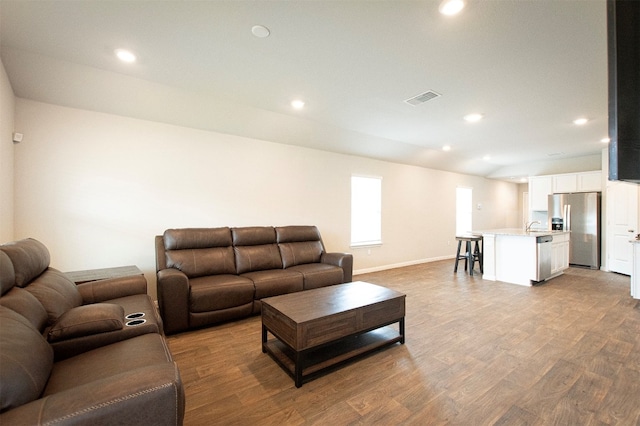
column 524, row 257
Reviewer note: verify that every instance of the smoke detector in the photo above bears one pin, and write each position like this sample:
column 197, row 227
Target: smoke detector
column 422, row 98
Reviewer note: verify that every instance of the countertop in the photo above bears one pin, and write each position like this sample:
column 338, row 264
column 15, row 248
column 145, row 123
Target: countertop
column 518, row 232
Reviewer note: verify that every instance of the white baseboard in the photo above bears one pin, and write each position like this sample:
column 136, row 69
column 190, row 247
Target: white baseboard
column 400, row 265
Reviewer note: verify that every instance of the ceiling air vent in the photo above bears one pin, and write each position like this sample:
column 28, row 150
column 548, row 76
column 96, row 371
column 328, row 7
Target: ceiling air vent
column 423, row 97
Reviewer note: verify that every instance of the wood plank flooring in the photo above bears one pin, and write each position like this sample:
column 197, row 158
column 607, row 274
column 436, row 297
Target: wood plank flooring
column 566, row 352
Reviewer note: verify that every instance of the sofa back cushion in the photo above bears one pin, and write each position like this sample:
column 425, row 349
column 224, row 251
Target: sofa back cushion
column 195, row 238
column 256, row 249
column 201, row 262
column 257, row 258
column 300, row 253
column 7, row 274
column 199, row 251
column 55, row 292
column 294, row 234
column 299, row 245
column 253, row 236
column 21, row 301
column 29, row 257
column 26, row 360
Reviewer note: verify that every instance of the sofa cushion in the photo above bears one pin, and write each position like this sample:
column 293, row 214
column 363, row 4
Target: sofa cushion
column 26, row 360
column 86, row 320
column 300, row 253
column 293, row 234
column 299, row 245
column 30, row 258
column 219, row 292
column 25, row 303
column 275, row 282
column 190, row 238
column 257, row 258
column 203, row 261
column 106, row 361
column 56, row 293
column 7, row 274
column 319, row 274
column 253, row 235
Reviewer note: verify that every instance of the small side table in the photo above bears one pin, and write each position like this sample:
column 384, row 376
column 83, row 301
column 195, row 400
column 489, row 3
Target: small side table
column 80, row 277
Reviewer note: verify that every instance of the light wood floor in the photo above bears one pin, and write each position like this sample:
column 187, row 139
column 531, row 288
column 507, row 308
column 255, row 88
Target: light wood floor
column 477, row 353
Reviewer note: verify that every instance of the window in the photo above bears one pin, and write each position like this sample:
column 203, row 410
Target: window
column 366, row 211
column 463, row 210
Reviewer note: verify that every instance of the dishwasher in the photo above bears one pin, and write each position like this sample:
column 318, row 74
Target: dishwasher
column 543, row 252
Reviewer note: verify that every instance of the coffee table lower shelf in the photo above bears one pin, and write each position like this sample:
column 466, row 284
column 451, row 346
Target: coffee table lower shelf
column 316, row 360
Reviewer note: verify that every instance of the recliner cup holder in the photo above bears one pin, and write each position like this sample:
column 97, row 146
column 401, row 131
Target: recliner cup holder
column 135, row 322
column 135, row 315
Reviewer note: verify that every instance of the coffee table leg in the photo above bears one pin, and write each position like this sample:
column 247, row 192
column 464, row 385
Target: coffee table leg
column 401, row 326
column 298, row 369
column 264, row 339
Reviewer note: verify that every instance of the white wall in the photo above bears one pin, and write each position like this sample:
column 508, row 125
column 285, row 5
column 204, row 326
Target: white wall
column 7, row 111
column 95, row 188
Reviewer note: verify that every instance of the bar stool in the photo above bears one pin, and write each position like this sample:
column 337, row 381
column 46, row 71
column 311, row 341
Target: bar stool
column 470, row 255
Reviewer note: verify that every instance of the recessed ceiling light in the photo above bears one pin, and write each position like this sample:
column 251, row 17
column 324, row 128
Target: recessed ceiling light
column 125, row 55
column 297, row 104
column 486, row 158
column 451, row 7
column 472, row 118
column 260, row 31
column 446, row 148
column 605, row 140
column 580, row 121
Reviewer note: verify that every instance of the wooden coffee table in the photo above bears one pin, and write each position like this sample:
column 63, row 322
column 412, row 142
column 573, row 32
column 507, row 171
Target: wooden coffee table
column 321, row 328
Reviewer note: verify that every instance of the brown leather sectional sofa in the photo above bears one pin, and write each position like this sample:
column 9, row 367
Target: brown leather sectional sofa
column 210, row 275
column 70, row 355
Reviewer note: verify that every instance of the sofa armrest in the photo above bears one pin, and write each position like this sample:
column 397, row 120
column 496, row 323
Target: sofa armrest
column 173, row 299
column 86, row 320
column 151, row 395
column 112, row 288
column 343, row 260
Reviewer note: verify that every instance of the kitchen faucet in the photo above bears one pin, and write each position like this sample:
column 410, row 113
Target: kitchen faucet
column 530, row 224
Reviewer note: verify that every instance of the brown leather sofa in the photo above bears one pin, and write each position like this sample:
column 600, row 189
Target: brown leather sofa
column 70, row 355
column 210, row 275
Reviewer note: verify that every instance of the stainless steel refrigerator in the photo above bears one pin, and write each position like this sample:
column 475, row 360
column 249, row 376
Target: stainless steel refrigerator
column 580, row 214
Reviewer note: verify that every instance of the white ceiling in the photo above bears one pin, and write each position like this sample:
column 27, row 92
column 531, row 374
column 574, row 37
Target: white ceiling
column 530, row 66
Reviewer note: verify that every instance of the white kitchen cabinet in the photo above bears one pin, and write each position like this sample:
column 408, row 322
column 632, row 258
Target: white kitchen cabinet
column 539, row 189
column 565, row 183
column 589, row 181
column 559, row 253
column 541, row 186
column 577, row 182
